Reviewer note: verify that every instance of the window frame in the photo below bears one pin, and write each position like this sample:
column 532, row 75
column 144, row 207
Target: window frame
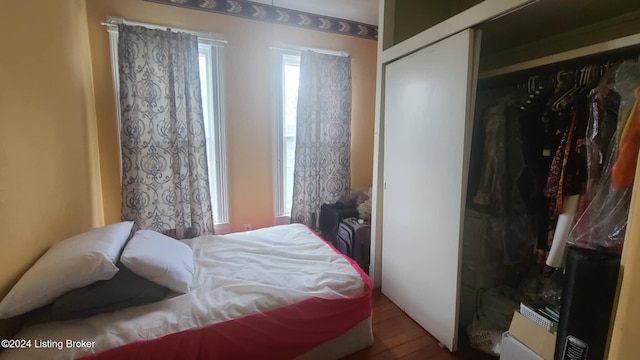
column 212, row 44
column 279, row 60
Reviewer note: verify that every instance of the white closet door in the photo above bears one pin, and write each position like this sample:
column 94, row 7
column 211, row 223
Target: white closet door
column 427, row 124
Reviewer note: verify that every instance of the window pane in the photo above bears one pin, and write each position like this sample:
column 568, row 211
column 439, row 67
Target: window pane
column 204, row 88
column 209, row 126
column 290, row 151
column 291, row 78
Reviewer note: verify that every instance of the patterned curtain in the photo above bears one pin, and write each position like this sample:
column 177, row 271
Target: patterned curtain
column 322, row 171
column 165, row 186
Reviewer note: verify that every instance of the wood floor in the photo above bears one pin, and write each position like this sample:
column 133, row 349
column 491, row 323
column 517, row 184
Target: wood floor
column 397, row 336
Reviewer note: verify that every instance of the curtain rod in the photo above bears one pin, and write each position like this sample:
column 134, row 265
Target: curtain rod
column 112, row 23
column 284, row 47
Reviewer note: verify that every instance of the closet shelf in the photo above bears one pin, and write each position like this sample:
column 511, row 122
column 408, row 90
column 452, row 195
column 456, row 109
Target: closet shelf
column 611, row 45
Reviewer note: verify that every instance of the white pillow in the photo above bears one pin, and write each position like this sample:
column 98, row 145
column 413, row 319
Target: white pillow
column 161, row 259
column 69, row 264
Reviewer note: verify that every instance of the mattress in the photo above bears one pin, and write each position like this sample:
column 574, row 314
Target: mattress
column 273, row 293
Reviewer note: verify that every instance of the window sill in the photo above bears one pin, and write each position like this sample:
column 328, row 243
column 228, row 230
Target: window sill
column 222, row 228
column 282, row 220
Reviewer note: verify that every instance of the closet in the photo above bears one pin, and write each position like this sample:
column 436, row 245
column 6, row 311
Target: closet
column 436, row 60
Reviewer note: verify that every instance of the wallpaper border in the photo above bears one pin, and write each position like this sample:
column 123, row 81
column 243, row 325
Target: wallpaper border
column 278, row 15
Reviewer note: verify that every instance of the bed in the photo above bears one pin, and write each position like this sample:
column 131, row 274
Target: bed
column 275, row 293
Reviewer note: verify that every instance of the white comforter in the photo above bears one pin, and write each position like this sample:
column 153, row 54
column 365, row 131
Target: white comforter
column 236, row 275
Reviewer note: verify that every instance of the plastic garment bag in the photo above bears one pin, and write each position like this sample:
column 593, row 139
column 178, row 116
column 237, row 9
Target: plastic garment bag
column 604, row 222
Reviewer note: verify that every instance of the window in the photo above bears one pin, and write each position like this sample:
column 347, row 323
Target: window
column 286, row 79
column 210, row 61
column 210, row 57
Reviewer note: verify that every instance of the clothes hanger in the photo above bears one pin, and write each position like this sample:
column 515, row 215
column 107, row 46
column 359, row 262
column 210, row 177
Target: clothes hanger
column 559, row 76
column 531, row 91
column 561, row 102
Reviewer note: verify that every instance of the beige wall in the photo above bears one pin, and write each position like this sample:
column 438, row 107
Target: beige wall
column 624, row 342
column 248, row 100
column 49, row 185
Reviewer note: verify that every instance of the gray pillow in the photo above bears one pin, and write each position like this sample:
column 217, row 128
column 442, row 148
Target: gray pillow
column 125, row 289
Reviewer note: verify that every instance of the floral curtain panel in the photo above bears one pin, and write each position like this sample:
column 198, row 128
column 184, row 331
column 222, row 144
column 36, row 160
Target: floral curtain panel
column 165, row 186
column 322, row 171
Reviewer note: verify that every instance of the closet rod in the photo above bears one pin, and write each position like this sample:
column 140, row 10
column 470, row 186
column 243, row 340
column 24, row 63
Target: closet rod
column 615, row 44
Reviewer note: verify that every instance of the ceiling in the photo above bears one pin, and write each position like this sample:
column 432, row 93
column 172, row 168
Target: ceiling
column 364, row 11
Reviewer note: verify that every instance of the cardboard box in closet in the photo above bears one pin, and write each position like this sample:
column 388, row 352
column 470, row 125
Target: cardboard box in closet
column 534, row 336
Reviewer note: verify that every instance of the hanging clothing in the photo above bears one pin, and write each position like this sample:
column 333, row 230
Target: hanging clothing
column 568, row 170
column 491, row 189
column 555, row 179
column 539, row 135
column 624, row 169
column 604, row 223
column 604, row 104
column 502, row 179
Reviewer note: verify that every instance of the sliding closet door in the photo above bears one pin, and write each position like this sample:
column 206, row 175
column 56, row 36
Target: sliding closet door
column 427, row 123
